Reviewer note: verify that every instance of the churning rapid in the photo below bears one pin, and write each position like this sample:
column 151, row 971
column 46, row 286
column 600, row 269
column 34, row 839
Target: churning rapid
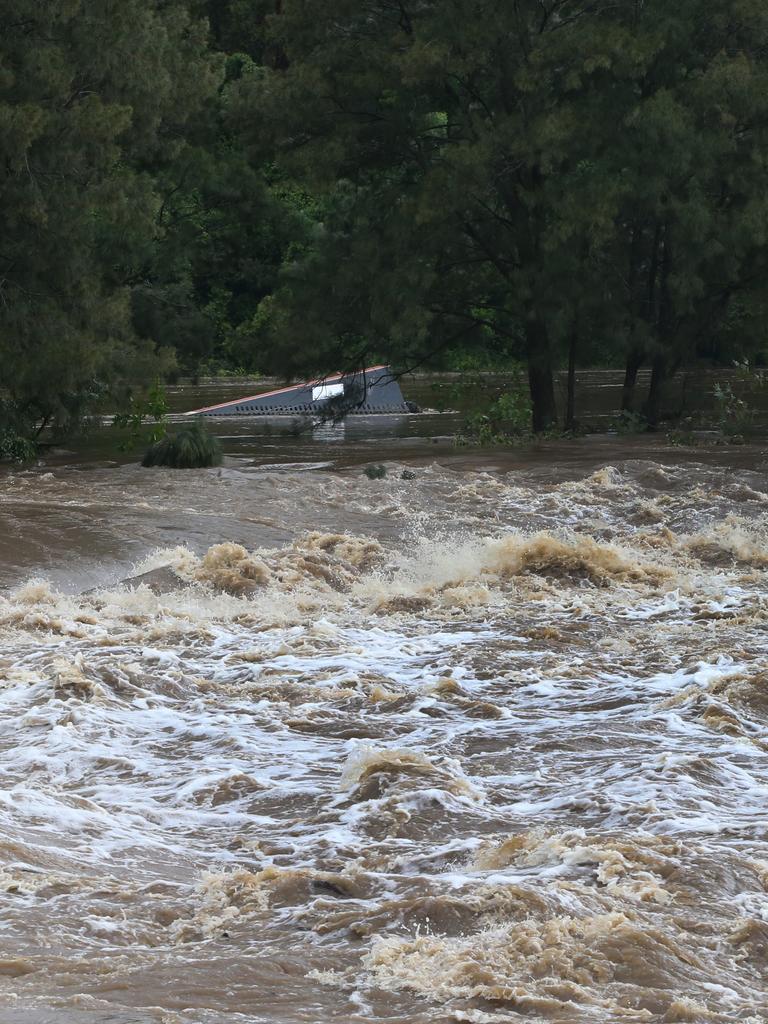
column 474, row 747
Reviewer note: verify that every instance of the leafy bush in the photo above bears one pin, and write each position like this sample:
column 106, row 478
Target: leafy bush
column 16, row 448
column 733, row 413
column 154, row 406
column 192, row 448
column 736, row 413
column 681, row 438
column 630, row 422
column 507, row 417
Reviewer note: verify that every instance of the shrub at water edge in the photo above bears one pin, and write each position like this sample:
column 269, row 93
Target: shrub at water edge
column 192, row 448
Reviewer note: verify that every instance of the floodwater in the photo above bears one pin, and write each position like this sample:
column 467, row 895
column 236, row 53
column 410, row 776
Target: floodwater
column 485, row 745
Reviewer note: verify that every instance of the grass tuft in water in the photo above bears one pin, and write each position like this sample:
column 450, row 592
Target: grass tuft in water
column 192, row 448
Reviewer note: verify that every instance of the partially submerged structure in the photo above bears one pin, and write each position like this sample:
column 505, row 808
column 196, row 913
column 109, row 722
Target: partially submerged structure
column 374, row 390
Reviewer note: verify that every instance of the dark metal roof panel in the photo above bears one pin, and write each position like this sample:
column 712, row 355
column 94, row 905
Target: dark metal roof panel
column 374, row 390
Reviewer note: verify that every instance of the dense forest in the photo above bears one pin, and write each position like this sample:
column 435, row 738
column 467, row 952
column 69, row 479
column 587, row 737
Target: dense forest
column 297, row 186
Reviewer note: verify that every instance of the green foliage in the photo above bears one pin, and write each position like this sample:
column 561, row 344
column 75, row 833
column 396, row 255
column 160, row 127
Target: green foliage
column 505, row 419
column 223, row 236
column 736, row 400
column 15, row 448
column 219, row 368
column 244, row 186
column 192, row 447
column 681, row 438
column 18, row 442
column 95, row 103
column 734, row 414
column 151, row 406
column 630, row 422
column 593, row 186
column 412, row 122
column 376, row 471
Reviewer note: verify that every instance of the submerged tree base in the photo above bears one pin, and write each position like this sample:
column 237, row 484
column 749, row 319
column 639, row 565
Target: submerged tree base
column 192, row 448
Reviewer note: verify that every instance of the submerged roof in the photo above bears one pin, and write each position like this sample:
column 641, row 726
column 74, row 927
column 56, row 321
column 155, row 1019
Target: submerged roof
column 373, row 390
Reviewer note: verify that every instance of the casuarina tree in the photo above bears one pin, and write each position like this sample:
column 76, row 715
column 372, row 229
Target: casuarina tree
column 455, row 142
column 94, row 98
column 551, row 172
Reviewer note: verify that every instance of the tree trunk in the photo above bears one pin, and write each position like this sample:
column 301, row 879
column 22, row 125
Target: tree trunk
column 665, row 361
column 570, row 408
column 540, row 379
column 659, row 377
column 635, row 358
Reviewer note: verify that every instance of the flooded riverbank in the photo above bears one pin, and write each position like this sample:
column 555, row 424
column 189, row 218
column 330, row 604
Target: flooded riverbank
column 484, row 745
column 446, row 401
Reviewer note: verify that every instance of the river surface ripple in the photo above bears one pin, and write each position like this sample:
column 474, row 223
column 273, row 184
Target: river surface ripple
column 477, row 746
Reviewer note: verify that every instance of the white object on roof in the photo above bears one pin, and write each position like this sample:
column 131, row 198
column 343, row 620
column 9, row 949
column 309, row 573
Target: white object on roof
column 326, row 391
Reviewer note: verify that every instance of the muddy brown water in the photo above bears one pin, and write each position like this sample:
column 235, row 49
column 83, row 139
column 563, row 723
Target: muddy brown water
column 483, row 746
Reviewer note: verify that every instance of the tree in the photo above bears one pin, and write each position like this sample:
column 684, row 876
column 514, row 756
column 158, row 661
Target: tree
column 95, row 98
column 546, row 171
column 314, row 186
column 690, row 156
column 223, row 230
column 452, row 135
column 225, row 224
